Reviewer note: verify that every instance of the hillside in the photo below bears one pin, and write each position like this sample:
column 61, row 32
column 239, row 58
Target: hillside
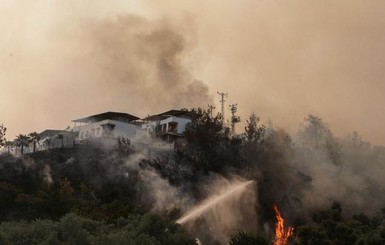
column 329, row 189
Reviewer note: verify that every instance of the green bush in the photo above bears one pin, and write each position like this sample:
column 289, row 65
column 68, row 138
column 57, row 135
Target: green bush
column 246, row 238
column 73, row 229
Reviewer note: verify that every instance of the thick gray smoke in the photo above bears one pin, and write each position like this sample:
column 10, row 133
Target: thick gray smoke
column 136, row 65
column 143, row 63
column 355, row 180
column 88, row 65
column 64, row 59
column 315, row 169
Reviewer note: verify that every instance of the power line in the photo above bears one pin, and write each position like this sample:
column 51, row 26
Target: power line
column 234, row 119
column 223, row 95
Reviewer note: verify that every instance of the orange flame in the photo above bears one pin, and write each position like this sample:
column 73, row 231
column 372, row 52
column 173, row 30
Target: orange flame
column 281, row 235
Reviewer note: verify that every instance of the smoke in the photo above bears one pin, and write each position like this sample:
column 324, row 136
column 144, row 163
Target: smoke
column 163, row 196
column 280, row 59
column 155, row 190
column 64, row 60
column 47, row 174
column 228, row 205
column 302, row 174
column 356, row 181
column 305, row 178
column 143, row 63
column 88, row 63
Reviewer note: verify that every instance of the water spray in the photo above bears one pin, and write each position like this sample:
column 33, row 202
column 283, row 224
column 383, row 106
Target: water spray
column 212, row 201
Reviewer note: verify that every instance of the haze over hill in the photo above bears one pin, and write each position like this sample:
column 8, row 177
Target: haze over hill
column 281, row 59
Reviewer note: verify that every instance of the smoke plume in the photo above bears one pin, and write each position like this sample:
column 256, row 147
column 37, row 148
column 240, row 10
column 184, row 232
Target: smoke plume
column 88, row 64
column 225, row 206
column 142, row 64
column 307, row 177
column 69, row 59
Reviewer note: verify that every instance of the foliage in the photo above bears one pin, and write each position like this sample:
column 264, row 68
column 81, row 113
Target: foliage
column 124, row 145
column 246, row 238
column 22, row 141
column 90, row 195
column 328, row 227
column 94, row 220
column 316, row 134
column 2, row 135
column 74, row 229
column 253, row 131
column 34, row 138
column 253, row 143
column 9, row 145
column 208, row 143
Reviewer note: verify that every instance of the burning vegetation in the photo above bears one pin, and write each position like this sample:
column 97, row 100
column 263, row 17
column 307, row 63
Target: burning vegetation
column 282, row 235
column 219, row 188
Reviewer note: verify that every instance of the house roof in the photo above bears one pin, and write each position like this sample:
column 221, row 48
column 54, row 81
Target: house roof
column 117, row 116
column 166, row 114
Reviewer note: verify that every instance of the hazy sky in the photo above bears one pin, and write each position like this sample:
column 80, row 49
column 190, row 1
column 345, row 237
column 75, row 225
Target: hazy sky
column 61, row 60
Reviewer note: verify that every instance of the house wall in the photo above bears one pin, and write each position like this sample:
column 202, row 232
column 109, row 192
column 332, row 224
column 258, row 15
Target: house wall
column 95, row 130
column 182, row 123
column 49, row 140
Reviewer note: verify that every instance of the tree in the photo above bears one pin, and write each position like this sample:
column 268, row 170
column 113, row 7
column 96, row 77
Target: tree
column 34, row 137
column 314, row 131
column 9, row 145
column 253, row 139
column 22, row 141
column 329, row 227
column 317, row 135
column 207, row 141
column 2, row 135
column 253, row 131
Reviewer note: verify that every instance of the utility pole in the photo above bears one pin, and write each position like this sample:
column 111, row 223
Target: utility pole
column 234, row 119
column 211, row 108
column 223, row 95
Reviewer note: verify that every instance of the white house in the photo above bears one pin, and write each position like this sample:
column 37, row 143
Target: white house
column 55, row 138
column 168, row 125
column 106, row 125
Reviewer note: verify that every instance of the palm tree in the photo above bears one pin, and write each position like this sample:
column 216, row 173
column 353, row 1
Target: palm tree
column 35, row 137
column 21, row 141
column 9, row 145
